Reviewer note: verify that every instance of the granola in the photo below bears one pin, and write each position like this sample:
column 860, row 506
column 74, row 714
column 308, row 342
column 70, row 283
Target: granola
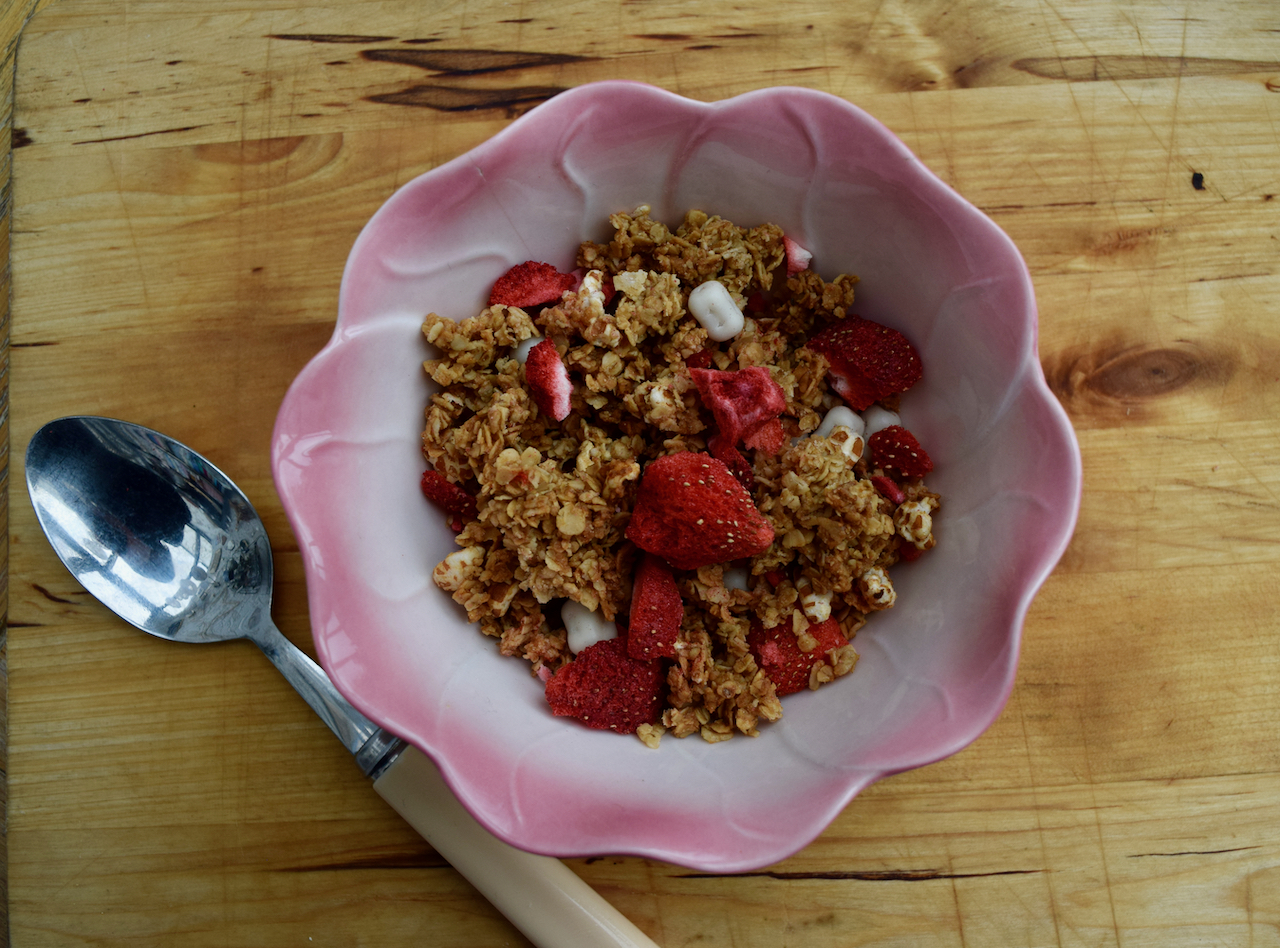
column 553, row 499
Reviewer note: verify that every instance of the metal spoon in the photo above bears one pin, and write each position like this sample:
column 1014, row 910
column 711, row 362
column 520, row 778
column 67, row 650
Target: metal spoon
column 166, row 541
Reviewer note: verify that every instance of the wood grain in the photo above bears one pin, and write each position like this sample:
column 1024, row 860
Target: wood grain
column 13, row 17
column 187, row 182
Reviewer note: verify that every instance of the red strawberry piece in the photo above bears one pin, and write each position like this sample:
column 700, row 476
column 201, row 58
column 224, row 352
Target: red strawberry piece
column 867, row 361
column 605, row 688
column 656, row 610
column 449, row 497
column 743, row 402
column 530, row 284
column 909, row 552
column 548, row 380
column 738, row 466
column 691, row 511
column 778, row 653
column 775, row 577
column 768, row 438
column 798, row 259
column 700, row 359
column 896, row 449
column 757, row 302
column 888, row 489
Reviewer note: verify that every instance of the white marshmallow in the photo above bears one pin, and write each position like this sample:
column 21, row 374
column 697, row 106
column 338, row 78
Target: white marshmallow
column 522, row 350
column 877, row 419
column 843, row 417
column 585, row 626
column 715, row 310
column 735, row 577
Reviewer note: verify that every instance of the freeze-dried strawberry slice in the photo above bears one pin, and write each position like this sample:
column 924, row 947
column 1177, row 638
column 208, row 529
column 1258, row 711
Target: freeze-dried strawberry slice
column 656, row 610
column 757, row 302
column 888, row 489
column 743, row 403
column 868, row 361
column 548, row 380
column 449, row 497
column 530, row 284
column 604, row 688
column 700, row 359
column 778, row 653
column 768, row 438
column 691, row 511
column 738, row 466
column 896, row 449
column 798, row 259
column 909, row 552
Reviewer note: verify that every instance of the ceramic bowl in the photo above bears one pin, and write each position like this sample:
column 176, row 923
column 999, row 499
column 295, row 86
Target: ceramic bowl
column 935, row 670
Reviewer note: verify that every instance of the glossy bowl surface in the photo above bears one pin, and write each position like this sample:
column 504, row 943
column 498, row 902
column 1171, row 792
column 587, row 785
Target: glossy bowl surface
column 935, row 670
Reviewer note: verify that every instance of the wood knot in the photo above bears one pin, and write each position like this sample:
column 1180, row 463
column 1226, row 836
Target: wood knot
column 1147, row 373
column 259, row 151
column 1127, row 375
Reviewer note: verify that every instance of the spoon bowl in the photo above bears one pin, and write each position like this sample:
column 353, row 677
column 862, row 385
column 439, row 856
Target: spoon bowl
column 166, row 541
column 170, row 544
column 153, row 530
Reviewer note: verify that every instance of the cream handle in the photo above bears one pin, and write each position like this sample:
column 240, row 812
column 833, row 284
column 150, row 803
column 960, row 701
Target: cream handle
column 540, row 895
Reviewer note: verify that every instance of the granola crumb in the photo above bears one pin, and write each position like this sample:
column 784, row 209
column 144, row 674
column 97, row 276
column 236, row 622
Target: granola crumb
column 650, row 734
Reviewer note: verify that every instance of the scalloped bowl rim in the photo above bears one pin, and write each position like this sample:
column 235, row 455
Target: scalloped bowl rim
column 323, row 446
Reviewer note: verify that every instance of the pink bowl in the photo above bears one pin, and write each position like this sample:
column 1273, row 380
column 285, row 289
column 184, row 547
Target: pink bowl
column 935, row 670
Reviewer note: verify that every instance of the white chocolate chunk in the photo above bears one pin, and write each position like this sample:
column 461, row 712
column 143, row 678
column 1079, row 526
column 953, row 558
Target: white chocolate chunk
column 585, row 626
column 877, row 419
column 840, row 417
column 715, row 310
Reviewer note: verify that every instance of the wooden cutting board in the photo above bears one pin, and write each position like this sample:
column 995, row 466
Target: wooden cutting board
column 187, row 179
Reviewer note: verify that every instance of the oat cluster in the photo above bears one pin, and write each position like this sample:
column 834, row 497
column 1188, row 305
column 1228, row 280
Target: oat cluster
column 554, row 498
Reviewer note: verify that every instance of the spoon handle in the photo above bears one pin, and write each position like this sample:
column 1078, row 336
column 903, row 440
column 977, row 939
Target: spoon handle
column 540, row 895
column 310, row 681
